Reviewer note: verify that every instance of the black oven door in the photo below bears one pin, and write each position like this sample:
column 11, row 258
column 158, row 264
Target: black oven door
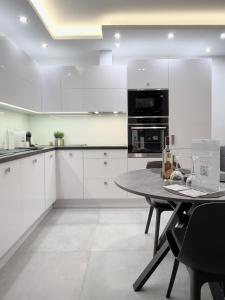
column 148, row 103
column 146, row 139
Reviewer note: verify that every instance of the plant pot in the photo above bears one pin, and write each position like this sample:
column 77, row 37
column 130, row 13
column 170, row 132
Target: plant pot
column 61, row 142
column 57, row 142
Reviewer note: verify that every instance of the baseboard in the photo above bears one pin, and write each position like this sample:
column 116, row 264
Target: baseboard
column 101, row 203
column 6, row 257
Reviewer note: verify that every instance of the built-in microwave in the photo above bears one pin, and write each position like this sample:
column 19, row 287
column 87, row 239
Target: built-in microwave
column 148, row 103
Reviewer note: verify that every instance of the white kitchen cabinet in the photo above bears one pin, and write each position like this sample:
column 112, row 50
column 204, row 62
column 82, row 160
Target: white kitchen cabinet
column 105, row 77
column 105, row 100
column 50, row 178
column 71, row 78
column 32, row 188
column 70, row 174
column 11, row 227
column 100, row 169
column 51, row 89
column 189, row 100
column 72, row 100
column 148, row 74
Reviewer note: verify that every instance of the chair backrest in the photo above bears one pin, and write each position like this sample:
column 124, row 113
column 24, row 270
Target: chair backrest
column 203, row 247
column 154, row 164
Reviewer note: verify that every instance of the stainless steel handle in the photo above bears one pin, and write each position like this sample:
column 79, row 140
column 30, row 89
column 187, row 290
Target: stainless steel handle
column 70, row 154
column 151, row 127
column 105, row 163
column 51, row 156
column 105, row 183
column 35, row 161
column 105, row 153
column 8, row 170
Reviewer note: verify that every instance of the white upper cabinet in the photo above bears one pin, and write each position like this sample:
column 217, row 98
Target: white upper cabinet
column 105, row 100
column 105, row 77
column 51, row 89
column 148, row 74
column 72, row 100
column 189, row 100
column 71, row 78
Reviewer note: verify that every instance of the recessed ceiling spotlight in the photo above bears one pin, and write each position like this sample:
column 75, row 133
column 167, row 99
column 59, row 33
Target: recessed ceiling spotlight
column 117, row 45
column 117, row 36
column 115, row 112
column 208, row 50
column 222, row 36
column 96, row 112
column 23, row 19
column 170, row 35
column 44, row 45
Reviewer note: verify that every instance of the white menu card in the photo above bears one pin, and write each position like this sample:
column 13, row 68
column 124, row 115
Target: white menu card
column 206, row 161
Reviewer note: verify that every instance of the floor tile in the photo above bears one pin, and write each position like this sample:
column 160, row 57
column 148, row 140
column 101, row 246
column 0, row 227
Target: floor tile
column 72, row 216
column 120, row 216
column 60, row 238
column 121, row 237
column 43, row 276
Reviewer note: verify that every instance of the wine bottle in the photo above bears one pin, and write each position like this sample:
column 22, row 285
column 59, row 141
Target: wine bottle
column 167, row 160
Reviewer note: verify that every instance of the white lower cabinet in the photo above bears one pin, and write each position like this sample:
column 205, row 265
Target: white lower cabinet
column 32, row 188
column 100, row 170
column 70, row 174
column 10, row 205
column 50, row 178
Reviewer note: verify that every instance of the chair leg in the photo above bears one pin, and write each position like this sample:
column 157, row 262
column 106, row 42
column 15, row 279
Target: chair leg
column 149, row 219
column 172, row 278
column 196, row 282
column 157, row 226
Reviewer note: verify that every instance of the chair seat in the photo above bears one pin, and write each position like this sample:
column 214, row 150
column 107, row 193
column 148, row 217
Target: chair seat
column 156, row 203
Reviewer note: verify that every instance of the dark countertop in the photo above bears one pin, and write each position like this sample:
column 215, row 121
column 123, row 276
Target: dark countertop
column 51, row 148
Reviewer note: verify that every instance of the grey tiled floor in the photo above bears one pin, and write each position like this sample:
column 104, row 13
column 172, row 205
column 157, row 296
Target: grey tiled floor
column 85, row 254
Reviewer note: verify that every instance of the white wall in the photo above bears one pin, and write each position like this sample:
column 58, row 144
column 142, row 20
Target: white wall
column 12, row 120
column 218, row 99
column 109, row 130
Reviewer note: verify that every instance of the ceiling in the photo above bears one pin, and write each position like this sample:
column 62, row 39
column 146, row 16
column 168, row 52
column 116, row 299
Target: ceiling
column 136, row 41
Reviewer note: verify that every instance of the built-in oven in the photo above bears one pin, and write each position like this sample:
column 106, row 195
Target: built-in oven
column 148, row 103
column 146, row 136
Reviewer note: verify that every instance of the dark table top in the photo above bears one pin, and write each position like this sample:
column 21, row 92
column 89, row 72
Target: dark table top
column 148, row 183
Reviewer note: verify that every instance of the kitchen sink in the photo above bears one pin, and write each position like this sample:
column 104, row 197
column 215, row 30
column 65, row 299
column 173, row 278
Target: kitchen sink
column 4, row 152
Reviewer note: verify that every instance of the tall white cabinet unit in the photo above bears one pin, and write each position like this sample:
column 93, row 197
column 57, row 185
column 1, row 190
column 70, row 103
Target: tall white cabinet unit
column 189, row 100
column 50, row 178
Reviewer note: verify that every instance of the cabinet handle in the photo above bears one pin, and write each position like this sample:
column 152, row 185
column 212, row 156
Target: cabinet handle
column 148, row 84
column 105, row 163
column 35, row 161
column 105, row 153
column 70, row 154
column 105, row 183
column 51, row 156
column 8, row 170
column 172, row 139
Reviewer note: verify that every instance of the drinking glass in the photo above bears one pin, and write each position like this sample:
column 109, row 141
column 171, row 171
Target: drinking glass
column 176, row 175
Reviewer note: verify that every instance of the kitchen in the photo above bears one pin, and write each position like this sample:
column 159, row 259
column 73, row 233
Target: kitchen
column 59, row 200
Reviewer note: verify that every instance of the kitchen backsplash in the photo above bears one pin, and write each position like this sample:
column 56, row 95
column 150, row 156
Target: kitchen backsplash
column 92, row 130
column 97, row 130
column 11, row 120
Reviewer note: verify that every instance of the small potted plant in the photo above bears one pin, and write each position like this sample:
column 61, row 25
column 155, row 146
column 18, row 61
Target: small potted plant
column 59, row 138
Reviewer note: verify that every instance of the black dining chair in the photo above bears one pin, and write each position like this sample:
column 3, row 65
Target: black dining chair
column 159, row 205
column 201, row 247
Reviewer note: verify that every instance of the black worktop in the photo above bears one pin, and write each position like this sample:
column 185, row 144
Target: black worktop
column 20, row 155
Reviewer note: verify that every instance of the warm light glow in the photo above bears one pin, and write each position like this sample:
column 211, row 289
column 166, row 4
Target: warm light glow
column 171, row 36
column 23, row 19
column 61, row 28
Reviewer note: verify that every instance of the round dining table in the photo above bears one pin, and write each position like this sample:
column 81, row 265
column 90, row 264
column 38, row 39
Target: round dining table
column 149, row 183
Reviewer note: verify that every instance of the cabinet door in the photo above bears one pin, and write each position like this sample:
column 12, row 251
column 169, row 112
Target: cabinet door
column 70, row 78
column 72, row 100
column 50, row 179
column 148, row 74
column 11, row 226
column 189, row 100
column 51, row 89
column 106, row 77
column 105, row 100
column 32, row 187
column 69, row 174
